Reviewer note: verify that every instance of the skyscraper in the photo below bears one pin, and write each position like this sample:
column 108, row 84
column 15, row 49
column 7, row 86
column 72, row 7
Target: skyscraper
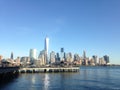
column 52, row 57
column 42, row 57
column 106, row 58
column 46, row 47
column 84, row 54
column 33, row 54
column 76, row 57
column 62, row 57
column 46, row 44
column 11, row 55
column 69, row 57
column 62, row 49
column 95, row 59
column 57, row 57
column 85, row 61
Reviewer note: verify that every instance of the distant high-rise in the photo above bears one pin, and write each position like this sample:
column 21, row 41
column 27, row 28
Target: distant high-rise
column 76, row 57
column 11, row 55
column 52, row 57
column 102, row 61
column 95, row 59
column 69, row 57
column 85, row 59
column 33, row 54
column 46, row 44
column 84, row 54
column 46, row 48
column 62, row 57
column 42, row 57
column 57, row 57
column 62, row 49
column 106, row 58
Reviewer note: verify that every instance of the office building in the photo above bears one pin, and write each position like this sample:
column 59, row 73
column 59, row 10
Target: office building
column 42, row 57
column 106, row 58
column 69, row 57
column 33, row 55
column 52, row 57
column 57, row 57
column 91, row 62
column 11, row 57
column 46, row 48
column 102, row 61
column 62, row 49
column 76, row 57
column 85, row 61
column 94, row 57
column 17, row 61
column 84, row 54
column 25, row 61
column 62, row 54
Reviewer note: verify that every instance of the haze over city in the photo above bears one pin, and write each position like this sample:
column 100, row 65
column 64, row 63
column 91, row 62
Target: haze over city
column 93, row 26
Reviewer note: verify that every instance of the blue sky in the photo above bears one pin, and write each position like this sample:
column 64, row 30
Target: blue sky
column 76, row 25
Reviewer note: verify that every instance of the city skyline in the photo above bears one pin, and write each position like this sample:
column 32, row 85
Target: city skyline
column 76, row 26
column 44, row 57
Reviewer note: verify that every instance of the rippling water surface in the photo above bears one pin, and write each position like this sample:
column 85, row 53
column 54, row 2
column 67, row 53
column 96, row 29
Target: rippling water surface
column 89, row 78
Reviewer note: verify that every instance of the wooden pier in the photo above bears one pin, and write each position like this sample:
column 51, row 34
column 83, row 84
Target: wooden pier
column 49, row 69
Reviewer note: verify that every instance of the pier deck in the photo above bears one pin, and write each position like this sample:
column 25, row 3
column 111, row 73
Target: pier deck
column 49, row 69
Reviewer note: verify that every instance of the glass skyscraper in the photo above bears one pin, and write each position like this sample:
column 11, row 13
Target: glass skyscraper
column 11, row 55
column 62, row 53
column 33, row 54
column 46, row 47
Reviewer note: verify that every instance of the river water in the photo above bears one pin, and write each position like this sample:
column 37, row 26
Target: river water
column 89, row 78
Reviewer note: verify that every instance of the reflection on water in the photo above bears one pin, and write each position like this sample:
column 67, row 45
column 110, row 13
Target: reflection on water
column 46, row 82
column 94, row 78
column 33, row 79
